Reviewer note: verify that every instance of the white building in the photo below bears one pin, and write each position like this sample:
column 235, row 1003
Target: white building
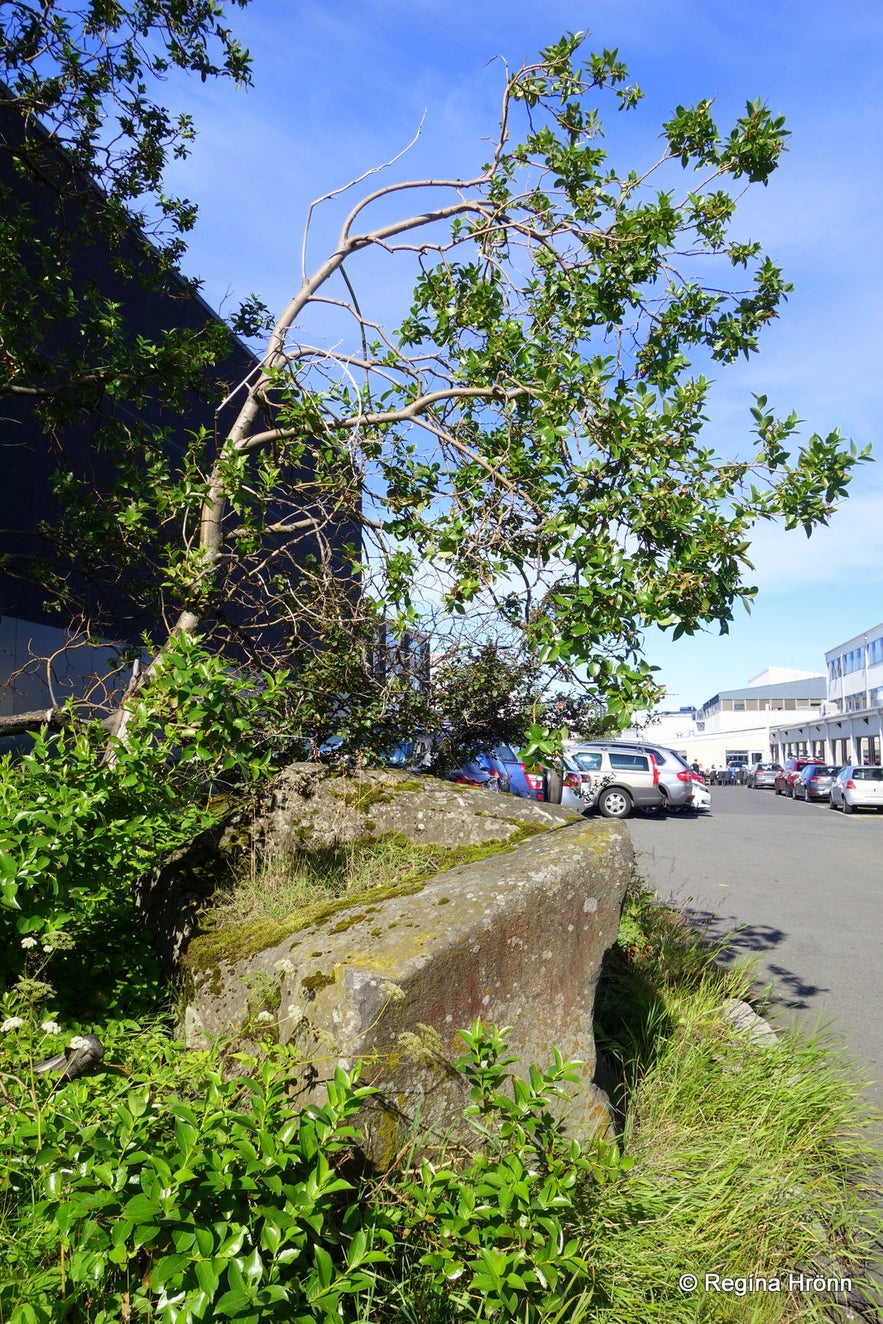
column 736, row 725
column 849, row 727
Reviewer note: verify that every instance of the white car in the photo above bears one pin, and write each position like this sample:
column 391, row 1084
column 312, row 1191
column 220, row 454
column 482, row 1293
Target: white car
column 701, row 796
column 613, row 781
column 857, row 786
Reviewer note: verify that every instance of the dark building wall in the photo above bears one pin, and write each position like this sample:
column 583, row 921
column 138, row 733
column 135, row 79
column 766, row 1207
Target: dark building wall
column 126, row 274
column 149, row 307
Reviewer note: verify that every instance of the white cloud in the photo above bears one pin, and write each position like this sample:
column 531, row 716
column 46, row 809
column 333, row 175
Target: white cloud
column 849, row 550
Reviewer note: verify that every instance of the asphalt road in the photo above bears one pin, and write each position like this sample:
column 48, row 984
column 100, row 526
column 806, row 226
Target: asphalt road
column 801, row 888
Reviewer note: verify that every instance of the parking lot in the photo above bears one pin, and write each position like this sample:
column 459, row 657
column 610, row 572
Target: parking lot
column 801, row 888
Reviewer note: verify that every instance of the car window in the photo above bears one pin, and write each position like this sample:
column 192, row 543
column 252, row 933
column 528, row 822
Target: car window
column 669, row 756
column 868, row 774
column 505, row 753
column 589, row 762
column 631, row 762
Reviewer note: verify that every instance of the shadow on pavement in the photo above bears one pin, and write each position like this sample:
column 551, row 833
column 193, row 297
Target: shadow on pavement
column 735, row 941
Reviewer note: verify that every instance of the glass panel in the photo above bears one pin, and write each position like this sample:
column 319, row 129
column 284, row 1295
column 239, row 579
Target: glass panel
column 588, row 762
column 633, row 762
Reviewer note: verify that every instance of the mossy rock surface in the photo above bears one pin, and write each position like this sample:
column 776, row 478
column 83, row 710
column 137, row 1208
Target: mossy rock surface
column 309, row 807
column 516, row 937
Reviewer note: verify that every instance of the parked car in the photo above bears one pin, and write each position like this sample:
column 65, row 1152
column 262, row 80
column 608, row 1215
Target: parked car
column 814, row 781
column 701, row 797
column 763, row 774
column 408, row 754
column 612, row 780
column 478, row 771
column 499, row 762
column 786, row 777
column 857, row 786
column 528, row 785
column 576, row 785
column 676, row 781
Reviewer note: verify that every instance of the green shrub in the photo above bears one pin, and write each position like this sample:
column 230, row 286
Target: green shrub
column 83, row 815
column 167, row 1191
column 159, row 1188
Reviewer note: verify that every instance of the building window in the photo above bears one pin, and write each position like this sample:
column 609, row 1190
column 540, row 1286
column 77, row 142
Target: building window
column 738, row 705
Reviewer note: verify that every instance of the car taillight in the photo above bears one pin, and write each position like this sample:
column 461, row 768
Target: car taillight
column 572, row 781
column 685, row 776
column 655, row 766
column 534, row 781
column 697, row 778
column 850, row 785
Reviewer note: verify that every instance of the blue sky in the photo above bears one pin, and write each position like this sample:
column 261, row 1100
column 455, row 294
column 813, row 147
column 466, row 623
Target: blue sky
column 341, row 87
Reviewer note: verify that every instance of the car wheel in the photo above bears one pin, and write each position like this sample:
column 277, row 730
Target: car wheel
column 847, row 807
column 615, row 804
column 831, row 804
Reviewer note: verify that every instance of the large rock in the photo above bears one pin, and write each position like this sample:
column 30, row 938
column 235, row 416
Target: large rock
column 307, row 807
column 517, row 938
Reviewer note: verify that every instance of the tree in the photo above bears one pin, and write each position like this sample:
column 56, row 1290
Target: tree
column 523, row 454
column 529, row 436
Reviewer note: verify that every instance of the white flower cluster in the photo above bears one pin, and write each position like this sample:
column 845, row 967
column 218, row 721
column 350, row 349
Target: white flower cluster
column 11, row 1023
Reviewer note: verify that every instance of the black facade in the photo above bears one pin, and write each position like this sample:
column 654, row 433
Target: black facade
column 151, row 302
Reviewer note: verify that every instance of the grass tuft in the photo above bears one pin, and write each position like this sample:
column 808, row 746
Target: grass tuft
column 751, row 1158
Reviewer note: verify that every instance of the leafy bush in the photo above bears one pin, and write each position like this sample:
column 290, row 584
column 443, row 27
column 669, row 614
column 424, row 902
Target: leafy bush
column 495, row 1238
column 175, row 1194
column 83, row 815
column 162, row 1190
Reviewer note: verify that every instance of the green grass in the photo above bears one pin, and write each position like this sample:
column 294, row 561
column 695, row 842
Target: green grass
column 279, row 885
column 749, row 1158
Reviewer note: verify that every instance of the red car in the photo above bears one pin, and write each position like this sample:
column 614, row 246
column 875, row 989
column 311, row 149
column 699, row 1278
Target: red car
column 786, row 777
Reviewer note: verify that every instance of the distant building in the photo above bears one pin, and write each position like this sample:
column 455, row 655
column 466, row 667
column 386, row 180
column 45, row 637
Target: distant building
column 779, row 676
column 849, row 726
column 735, row 725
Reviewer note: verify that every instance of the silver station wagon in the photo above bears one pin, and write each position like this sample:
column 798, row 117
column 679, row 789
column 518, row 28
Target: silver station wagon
column 857, row 786
column 613, row 781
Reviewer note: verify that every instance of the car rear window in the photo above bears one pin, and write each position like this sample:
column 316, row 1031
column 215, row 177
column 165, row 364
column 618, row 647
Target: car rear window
column 505, row 753
column 867, row 774
column 824, row 770
column 630, row 762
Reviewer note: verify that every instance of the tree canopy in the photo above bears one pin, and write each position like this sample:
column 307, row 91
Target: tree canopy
column 524, row 450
